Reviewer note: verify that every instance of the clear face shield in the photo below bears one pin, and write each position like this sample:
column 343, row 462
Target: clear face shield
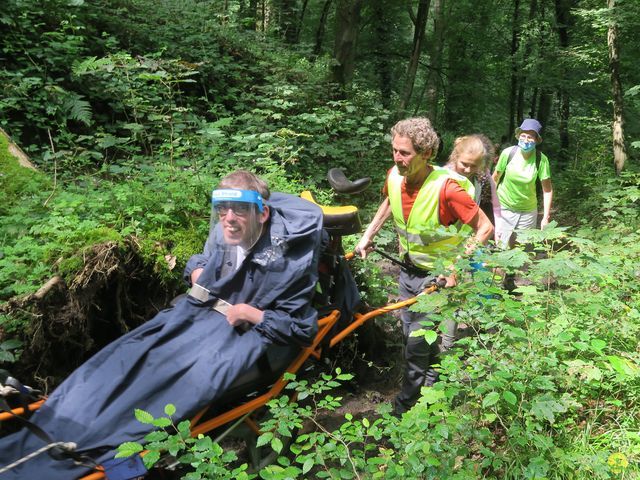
column 237, row 218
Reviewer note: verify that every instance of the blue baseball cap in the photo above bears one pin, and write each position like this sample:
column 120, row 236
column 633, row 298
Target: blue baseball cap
column 530, row 124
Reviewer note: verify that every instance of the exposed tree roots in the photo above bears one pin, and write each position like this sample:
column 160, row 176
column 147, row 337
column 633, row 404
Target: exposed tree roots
column 69, row 321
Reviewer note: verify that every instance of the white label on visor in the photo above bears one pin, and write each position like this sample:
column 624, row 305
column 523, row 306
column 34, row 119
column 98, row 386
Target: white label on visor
column 226, row 194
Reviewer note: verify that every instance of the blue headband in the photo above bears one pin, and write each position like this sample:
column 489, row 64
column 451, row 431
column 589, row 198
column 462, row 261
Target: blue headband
column 236, row 195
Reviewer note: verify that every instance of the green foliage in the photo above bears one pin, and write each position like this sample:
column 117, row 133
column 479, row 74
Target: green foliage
column 133, row 118
column 205, row 457
column 10, row 350
column 546, row 387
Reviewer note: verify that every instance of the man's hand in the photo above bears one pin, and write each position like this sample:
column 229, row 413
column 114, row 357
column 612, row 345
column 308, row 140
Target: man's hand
column 451, row 280
column 196, row 274
column 243, row 313
column 364, row 247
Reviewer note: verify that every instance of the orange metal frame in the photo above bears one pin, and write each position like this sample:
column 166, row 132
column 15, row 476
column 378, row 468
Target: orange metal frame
column 325, row 325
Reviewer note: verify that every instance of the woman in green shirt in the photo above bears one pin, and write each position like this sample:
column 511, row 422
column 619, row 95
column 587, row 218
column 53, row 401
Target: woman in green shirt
column 517, row 190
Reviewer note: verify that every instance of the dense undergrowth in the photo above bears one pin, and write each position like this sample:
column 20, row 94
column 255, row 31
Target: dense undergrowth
column 131, row 122
column 131, row 119
column 546, row 387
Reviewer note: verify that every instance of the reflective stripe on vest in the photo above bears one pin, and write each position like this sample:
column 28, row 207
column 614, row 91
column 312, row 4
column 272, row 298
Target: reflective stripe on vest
column 423, row 237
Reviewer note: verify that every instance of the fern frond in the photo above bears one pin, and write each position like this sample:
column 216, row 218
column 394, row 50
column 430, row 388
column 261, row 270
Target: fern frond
column 75, row 108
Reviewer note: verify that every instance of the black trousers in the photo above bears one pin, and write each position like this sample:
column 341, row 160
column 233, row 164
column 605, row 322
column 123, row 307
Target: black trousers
column 419, row 356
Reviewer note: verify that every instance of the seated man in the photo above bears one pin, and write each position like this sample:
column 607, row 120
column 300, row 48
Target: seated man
column 251, row 287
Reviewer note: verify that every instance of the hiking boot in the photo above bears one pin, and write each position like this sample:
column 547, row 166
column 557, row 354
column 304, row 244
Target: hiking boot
column 509, row 282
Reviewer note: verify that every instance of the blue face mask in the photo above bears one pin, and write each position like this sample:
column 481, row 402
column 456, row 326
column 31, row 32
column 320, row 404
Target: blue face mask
column 526, row 146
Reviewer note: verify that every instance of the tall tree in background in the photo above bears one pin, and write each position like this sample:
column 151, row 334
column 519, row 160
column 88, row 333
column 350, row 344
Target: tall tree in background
column 320, row 29
column 248, row 13
column 521, row 73
column 288, row 16
column 382, row 31
column 515, row 41
column 300, row 21
column 563, row 24
column 344, row 49
column 434, row 75
column 420, row 22
column 542, row 98
column 619, row 148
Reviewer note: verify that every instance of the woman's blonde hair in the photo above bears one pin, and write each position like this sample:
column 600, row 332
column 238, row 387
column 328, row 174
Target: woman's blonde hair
column 476, row 145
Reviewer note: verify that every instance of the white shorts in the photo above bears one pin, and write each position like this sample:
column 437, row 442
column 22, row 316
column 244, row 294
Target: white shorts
column 510, row 221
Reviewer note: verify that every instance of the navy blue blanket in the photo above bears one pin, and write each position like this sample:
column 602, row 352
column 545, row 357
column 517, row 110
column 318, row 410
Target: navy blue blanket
column 187, row 355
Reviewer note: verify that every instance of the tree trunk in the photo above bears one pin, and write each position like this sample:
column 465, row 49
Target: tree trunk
column 522, row 78
column 344, row 50
column 418, row 36
column 454, row 95
column 322, row 26
column 437, row 45
column 16, row 151
column 515, row 40
column 563, row 20
column 382, row 66
column 300, row 21
column 619, row 148
column 248, row 14
column 544, row 106
column 287, row 19
column 533, row 110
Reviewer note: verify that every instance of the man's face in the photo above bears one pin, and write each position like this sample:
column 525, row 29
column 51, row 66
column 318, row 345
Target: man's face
column 241, row 222
column 408, row 161
column 467, row 164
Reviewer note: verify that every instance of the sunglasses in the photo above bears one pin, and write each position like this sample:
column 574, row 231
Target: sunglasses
column 241, row 209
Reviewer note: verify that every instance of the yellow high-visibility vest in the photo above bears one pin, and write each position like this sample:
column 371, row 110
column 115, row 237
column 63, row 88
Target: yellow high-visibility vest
column 422, row 236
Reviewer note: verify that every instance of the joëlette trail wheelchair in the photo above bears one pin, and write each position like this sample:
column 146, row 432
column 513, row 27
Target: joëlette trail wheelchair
column 245, row 401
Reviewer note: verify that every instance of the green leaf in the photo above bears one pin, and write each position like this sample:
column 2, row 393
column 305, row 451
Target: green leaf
column 156, row 436
column 308, row 465
column 128, row 449
column 276, row 444
column 490, row 399
column 598, row 345
column 264, row 439
column 143, row 417
column 170, row 409
column 10, row 344
column 431, row 395
column 151, row 458
column 430, row 303
column 6, row 356
column 431, row 336
column 509, row 397
column 623, row 366
column 528, row 290
column 545, row 407
column 161, row 422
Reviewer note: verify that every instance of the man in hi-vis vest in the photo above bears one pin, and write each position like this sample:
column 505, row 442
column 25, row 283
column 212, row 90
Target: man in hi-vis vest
column 422, row 199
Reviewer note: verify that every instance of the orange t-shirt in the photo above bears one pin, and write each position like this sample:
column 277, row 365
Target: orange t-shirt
column 454, row 203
